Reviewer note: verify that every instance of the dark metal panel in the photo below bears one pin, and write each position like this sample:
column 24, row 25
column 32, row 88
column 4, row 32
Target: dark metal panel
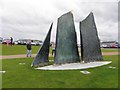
column 90, row 43
column 43, row 54
column 66, row 40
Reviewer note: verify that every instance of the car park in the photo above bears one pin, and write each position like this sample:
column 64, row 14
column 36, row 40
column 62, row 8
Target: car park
column 22, row 42
column 16, row 42
column 36, row 42
column 109, row 44
column 33, row 43
column 6, row 41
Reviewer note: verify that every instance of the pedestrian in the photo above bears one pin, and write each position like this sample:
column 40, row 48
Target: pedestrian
column 53, row 49
column 11, row 41
column 29, row 49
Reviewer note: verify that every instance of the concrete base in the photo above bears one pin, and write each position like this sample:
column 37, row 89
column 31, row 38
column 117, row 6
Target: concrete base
column 73, row 66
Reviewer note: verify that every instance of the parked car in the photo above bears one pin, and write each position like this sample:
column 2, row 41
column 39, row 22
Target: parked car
column 114, row 45
column 26, row 41
column 6, row 41
column 22, row 42
column 104, row 46
column 109, row 44
column 40, row 43
column 118, row 45
column 15, row 42
column 34, row 43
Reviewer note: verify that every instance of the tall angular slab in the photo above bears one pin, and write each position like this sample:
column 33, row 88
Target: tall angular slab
column 66, row 41
column 43, row 54
column 90, row 44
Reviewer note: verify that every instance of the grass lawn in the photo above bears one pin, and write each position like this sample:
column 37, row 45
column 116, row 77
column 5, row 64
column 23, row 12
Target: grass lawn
column 21, row 49
column 24, row 76
column 18, row 49
column 110, row 50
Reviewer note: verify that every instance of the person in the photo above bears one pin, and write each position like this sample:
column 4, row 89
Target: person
column 29, row 49
column 53, row 49
column 11, row 39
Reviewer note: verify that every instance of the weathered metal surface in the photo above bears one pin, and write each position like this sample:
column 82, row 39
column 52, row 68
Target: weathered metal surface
column 66, row 41
column 43, row 54
column 90, row 43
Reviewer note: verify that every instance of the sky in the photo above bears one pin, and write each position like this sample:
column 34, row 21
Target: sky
column 31, row 19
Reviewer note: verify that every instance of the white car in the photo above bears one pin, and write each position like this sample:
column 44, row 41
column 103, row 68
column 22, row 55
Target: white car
column 16, row 42
column 33, row 43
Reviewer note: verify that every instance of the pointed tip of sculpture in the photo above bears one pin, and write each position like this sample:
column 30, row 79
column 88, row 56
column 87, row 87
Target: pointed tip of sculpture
column 70, row 11
column 91, row 12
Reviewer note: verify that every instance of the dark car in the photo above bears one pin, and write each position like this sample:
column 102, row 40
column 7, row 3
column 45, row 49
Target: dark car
column 118, row 45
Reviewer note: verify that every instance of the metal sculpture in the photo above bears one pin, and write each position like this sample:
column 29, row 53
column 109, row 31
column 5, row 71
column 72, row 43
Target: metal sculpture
column 66, row 50
column 43, row 54
column 90, row 43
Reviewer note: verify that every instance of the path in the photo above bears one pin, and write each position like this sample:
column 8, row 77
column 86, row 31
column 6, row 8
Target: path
column 33, row 55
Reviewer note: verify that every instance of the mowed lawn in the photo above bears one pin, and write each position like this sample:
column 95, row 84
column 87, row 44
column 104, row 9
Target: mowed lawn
column 24, row 76
column 21, row 49
column 18, row 49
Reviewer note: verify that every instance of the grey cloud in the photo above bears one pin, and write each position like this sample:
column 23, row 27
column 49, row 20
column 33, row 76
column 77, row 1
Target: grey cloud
column 31, row 19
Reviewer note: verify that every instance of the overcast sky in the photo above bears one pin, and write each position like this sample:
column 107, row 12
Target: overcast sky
column 32, row 18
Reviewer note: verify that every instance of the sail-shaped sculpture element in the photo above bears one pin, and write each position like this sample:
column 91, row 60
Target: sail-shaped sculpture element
column 66, row 41
column 90, row 43
column 43, row 54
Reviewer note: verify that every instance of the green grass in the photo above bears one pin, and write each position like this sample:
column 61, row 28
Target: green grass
column 18, row 49
column 110, row 50
column 21, row 49
column 24, row 76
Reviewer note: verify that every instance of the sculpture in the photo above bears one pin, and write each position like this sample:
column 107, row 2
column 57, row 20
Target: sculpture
column 43, row 54
column 90, row 43
column 66, row 41
column 66, row 50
